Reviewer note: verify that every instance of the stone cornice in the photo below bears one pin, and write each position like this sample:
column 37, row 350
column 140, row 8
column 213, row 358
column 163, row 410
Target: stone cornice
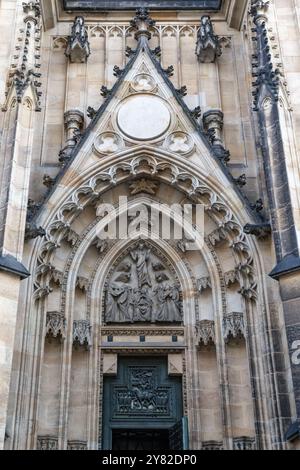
column 232, row 11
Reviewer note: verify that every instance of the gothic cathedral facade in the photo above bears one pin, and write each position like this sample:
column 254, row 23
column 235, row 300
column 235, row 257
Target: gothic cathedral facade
column 150, row 225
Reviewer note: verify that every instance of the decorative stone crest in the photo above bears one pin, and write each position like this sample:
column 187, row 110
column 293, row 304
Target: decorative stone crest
column 47, row 443
column 55, row 325
column 234, row 326
column 205, row 331
column 208, row 46
column 179, row 142
column 78, row 49
column 82, row 333
column 108, row 143
column 142, row 289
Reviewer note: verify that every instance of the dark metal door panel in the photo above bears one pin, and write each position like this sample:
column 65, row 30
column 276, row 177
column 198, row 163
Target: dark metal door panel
column 141, row 397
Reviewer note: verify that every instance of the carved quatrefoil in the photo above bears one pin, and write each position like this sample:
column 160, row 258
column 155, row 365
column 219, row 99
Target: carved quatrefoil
column 143, row 82
column 108, row 143
column 179, row 142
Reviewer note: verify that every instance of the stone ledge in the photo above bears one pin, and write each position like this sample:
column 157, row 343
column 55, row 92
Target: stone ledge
column 293, row 432
column 288, row 265
column 11, row 265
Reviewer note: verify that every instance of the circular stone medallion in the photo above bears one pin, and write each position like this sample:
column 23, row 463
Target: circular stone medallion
column 144, row 117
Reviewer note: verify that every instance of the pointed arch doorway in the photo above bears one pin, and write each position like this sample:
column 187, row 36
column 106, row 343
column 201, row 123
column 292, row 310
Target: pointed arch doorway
column 143, row 406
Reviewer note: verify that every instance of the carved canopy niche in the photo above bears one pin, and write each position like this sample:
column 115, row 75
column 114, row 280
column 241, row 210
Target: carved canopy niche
column 141, row 288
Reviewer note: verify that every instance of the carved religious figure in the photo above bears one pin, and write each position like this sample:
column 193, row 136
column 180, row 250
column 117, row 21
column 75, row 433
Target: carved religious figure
column 142, row 290
column 118, row 303
column 141, row 257
column 142, row 305
column 168, row 303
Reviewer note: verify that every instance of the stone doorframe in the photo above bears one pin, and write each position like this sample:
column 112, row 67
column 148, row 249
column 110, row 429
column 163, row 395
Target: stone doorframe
column 148, row 357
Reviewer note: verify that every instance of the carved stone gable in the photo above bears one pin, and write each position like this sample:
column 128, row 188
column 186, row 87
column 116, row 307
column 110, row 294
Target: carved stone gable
column 142, row 288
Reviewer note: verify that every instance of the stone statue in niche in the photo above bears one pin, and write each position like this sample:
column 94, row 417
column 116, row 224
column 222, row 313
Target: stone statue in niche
column 142, row 290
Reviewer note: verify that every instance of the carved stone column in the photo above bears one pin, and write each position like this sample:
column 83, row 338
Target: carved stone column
column 74, row 120
column 213, row 122
column 282, row 219
column 22, row 99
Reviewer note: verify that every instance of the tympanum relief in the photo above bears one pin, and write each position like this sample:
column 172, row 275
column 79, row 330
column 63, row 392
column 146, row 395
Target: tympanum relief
column 142, row 289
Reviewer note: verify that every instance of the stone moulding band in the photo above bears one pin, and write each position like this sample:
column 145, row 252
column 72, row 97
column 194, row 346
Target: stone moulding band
column 86, row 5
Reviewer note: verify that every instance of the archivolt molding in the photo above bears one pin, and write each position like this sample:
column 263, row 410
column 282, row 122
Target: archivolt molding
column 59, row 224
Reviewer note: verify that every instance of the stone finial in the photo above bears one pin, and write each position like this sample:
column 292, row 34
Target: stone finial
column 141, row 22
column 208, row 46
column 259, row 9
column 32, row 7
column 78, row 48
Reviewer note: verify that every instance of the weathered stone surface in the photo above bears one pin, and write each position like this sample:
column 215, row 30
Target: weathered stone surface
column 164, row 130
